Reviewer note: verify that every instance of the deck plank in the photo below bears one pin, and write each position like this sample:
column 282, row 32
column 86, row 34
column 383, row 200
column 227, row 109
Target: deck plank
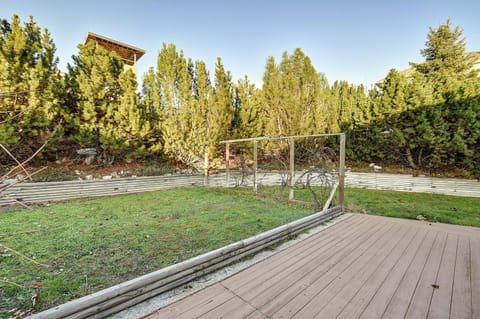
column 199, row 303
column 400, row 301
column 384, row 260
column 320, row 299
column 316, row 244
column 394, row 263
column 320, row 276
column 302, row 268
column 287, row 264
column 422, row 296
column 475, row 259
column 462, row 293
column 362, row 267
column 384, row 294
column 442, row 294
column 232, row 309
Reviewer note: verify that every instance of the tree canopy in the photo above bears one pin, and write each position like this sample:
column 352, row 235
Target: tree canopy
column 428, row 119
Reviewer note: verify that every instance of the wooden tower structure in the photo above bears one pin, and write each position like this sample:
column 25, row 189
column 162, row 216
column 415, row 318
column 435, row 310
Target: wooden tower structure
column 128, row 53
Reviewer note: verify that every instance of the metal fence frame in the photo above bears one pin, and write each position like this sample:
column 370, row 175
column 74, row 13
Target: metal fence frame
column 291, row 139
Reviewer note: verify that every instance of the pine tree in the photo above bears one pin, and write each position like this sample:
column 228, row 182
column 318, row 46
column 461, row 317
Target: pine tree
column 106, row 114
column 249, row 113
column 448, row 70
column 132, row 125
column 445, row 55
column 291, row 95
column 29, row 85
column 192, row 114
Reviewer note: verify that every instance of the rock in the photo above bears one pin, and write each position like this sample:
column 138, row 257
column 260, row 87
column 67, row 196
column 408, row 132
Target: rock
column 77, row 172
column 9, row 181
column 89, row 177
column 89, row 159
column 125, row 173
column 108, row 177
column 87, row 151
column 115, row 175
column 421, row 217
column 20, row 177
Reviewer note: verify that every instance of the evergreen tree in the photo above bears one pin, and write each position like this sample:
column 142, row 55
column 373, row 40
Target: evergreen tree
column 445, row 55
column 249, row 113
column 291, row 95
column 132, row 125
column 174, row 81
column 192, row 114
column 106, row 108
column 29, row 85
column 222, row 110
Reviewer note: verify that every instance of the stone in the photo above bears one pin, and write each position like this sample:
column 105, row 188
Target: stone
column 89, row 159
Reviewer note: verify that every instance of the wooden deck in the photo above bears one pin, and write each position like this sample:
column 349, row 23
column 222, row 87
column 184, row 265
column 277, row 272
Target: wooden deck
column 363, row 267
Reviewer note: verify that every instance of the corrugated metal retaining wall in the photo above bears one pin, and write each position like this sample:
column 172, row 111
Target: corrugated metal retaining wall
column 409, row 183
column 59, row 191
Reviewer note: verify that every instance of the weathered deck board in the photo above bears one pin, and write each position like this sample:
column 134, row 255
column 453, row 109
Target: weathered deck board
column 462, row 292
column 263, row 290
column 321, row 277
column 404, row 251
column 320, row 292
column 443, row 289
column 363, row 267
column 475, row 267
column 384, row 294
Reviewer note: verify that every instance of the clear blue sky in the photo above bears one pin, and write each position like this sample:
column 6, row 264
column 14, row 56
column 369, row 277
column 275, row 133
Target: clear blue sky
column 357, row 41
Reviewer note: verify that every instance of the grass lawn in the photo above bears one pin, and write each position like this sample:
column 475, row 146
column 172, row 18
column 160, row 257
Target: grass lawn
column 93, row 244
column 436, row 208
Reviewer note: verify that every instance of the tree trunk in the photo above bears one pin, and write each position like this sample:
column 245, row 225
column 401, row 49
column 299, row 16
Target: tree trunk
column 411, row 162
column 205, row 168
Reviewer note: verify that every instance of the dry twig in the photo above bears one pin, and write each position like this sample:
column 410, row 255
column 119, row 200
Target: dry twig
column 12, row 283
column 30, row 231
column 25, row 257
column 25, row 161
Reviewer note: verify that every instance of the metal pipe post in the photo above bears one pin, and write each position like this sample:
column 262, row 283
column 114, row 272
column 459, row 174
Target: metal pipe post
column 341, row 173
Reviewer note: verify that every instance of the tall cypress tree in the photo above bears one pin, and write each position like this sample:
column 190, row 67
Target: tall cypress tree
column 291, row 95
column 249, row 112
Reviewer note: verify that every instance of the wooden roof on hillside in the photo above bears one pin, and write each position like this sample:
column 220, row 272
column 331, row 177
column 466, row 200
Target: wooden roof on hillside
column 128, row 53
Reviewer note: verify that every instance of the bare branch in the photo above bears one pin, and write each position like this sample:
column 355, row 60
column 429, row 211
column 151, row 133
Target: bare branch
column 24, row 257
column 24, row 162
column 16, row 161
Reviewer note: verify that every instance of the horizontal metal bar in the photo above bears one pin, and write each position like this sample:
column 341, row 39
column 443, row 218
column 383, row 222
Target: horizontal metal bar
column 268, row 138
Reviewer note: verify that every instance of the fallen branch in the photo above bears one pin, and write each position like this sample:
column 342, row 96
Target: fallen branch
column 17, row 201
column 25, row 257
column 30, row 231
column 12, row 283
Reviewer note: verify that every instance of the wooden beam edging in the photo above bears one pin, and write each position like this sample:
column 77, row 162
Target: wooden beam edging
column 111, row 300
